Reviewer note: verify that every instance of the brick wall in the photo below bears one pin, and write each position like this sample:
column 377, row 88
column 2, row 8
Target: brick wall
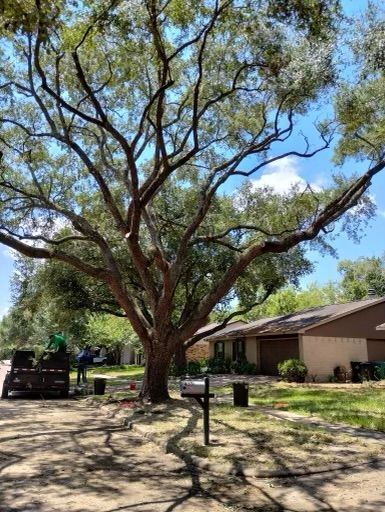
column 198, row 351
column 322, row 354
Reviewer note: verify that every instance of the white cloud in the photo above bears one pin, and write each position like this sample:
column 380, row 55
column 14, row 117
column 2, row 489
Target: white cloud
column 283, row 174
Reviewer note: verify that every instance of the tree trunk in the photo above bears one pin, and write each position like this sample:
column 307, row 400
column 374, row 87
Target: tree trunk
column 180, row 358
column 155, row 381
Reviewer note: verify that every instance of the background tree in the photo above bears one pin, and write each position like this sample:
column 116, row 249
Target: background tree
column 38, row 310
column 110, row 332
column 124, row 127
column 291, row 299
column 48, row 297
column 360, row 276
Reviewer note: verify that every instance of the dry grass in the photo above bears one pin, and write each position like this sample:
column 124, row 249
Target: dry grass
column 248, row 438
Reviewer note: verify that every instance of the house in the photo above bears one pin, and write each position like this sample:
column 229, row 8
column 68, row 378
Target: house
column 322, row 337
column 200, row 349
column 130, row 355
column 197, row 352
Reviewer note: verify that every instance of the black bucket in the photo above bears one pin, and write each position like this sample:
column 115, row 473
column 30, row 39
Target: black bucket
column 99, row 386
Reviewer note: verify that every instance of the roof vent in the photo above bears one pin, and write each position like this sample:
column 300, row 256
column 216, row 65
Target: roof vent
column 372, row 293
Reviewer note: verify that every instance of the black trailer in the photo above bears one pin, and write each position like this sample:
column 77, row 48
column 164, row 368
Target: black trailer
column 49, row 373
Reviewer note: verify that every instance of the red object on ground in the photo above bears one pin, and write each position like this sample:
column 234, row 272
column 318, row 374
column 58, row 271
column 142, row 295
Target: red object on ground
column 132, row 385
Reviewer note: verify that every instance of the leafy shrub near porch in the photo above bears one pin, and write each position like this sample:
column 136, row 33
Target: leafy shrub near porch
column 243, row 367
column 218, row 365
column 292, row 370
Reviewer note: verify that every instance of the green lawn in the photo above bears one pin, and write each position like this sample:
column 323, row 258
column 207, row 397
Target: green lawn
column 363, row 406
column 121, row 372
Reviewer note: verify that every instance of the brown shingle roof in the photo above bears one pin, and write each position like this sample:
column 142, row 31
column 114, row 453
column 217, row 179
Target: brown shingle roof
column 301, row 320
column 235, row 324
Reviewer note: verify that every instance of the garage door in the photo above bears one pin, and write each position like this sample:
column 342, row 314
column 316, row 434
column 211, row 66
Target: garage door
column 376, row 350
column 275, row 350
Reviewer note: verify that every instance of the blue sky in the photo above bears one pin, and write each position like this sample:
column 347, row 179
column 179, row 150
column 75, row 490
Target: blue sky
column 280, row 175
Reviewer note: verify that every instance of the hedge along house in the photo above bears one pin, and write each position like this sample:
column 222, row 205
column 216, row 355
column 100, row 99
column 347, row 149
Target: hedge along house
column 323, row 337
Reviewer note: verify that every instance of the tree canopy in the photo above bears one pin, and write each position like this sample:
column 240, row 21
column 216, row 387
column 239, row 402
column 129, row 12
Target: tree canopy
column 129, row 131
column 361, row 276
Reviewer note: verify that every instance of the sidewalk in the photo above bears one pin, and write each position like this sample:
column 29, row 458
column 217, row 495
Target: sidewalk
column 370, row 436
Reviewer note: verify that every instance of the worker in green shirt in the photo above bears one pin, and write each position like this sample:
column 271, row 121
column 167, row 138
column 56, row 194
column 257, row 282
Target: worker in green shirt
column 57, row 343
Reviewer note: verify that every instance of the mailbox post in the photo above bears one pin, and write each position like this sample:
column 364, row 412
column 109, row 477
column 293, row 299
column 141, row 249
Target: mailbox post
column 200, row 390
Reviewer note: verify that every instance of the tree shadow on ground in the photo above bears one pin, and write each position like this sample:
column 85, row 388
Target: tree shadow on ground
column 84, row 462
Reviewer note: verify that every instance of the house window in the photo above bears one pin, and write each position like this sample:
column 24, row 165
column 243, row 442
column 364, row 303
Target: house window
column 219, row 349
column 239, row 351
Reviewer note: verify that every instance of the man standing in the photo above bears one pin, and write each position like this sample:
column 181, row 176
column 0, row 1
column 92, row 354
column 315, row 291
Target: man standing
column 83, row 358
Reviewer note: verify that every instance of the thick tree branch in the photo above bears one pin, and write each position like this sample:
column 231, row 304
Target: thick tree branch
column 328, row 215
column 225, row 322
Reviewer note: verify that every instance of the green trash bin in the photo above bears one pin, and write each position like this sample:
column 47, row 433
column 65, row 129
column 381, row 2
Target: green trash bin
column 99, row 386
column 379, row 370
column 240, row 394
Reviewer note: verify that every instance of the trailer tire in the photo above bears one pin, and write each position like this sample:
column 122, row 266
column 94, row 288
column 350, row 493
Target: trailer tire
column 5, row 390
column 64, row 393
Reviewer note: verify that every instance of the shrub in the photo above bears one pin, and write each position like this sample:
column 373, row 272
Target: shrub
column 243, row 367
column 191, row 368
column 292, row 370
column 340, row 373
column 218, row 365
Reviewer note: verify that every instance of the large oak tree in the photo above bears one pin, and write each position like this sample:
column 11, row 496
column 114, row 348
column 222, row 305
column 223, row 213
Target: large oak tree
column 125, row 126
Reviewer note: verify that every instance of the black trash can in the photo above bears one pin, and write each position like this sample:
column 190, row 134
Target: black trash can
column 356, row 371
column 240, row 394
column 367, row 371
column 99, row 386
